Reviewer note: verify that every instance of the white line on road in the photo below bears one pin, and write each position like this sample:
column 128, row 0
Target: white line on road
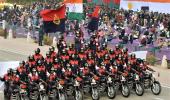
column 158, row 99
column 165, row 86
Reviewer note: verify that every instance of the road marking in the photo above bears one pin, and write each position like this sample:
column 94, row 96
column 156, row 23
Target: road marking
column 165, row 86
column 14, row 52
column 158, row 99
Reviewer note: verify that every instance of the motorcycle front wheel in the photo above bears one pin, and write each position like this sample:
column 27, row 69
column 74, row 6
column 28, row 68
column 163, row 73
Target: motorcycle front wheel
column 61, row 96
column 139, row 89
column 111, row 93
column 125, row 90
column 156, row 88
column 95, row 94
column 78, row 95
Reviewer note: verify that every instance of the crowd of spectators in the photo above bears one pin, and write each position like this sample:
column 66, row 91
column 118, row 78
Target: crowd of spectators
column 126, row 25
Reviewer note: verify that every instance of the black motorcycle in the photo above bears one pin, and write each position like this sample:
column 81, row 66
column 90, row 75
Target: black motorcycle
column 52, row 91
column 134, row 83
column 14, row 95
column 34, row 92
column 150, row 81
column 42, row 91
column 94, row 90
column 78, row 94
column 61, row 90
column 23, row 92
column 111, row 92
column 124, row 86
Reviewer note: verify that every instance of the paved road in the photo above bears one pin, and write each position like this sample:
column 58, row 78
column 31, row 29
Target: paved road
column 165, row 94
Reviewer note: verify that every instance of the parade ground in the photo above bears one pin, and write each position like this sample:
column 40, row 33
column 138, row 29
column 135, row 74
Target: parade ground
column 20, row 51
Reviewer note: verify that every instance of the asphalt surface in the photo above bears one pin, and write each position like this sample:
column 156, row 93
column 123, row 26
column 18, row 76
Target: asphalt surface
column 165, row 94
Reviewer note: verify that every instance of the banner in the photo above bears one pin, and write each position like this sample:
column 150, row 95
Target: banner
column 154, row 5
column 140, row 54
column 54, row 20
column 4, row 66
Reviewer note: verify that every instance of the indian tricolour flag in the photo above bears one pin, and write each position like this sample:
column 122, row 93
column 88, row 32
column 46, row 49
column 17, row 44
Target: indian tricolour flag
column 74, row 9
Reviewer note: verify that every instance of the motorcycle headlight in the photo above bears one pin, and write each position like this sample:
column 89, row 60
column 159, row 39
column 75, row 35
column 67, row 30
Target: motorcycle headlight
column 22, row 91
column 109, row 79
column 93, row 81
column 76, row 83
column 60, row 86
column 41, row 86
column 136, row 77
column 123, row 78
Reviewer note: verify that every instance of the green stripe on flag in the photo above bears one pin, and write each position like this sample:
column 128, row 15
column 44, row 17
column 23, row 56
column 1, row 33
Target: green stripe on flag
column 75, row 16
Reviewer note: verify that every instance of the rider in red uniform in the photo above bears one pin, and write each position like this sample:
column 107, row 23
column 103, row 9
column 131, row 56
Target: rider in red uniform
column 52, row 52
column 22, row 72
column 41, row 70
column 37, row 55
column 30, row 64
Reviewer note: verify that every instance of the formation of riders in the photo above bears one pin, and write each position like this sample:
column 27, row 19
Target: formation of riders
column 75, row 60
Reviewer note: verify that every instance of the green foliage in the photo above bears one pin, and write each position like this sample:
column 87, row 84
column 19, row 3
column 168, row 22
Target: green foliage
column 2, row 33
column 48, row 40
column 151, row 59
column 22, row 2
column 169, row 65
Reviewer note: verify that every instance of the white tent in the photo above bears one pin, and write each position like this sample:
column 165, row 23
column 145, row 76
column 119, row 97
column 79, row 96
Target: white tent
column 162, row 6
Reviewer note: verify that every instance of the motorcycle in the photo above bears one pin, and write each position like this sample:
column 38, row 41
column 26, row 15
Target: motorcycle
column 111, row 92
column 151, row 82
column 70, row 87
column 42, row 91
column 52, row 93
column 94, row 90
column 14, row 95
column 134, row 83
column 34, row 93
column 86, row 84
column 78, row 95
column 124, row 86
column 23, row 92
column 61, row 90
column 103, row 83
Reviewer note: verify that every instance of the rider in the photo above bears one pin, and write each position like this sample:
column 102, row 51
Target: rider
column 33, row 80
column 74, row 64
column 102, row 70
column 107, row 62
column 68, row 74
column 91, row 63
column 71, row 50
column 133, row 61
column 125, row 54
column 82, row 57
column 57, row 68
column 52, row 52
column 7, row 77
column 51, row 79
column 112, row 56
column 117, row 50
column 14, row 82
column 48, row 61
column 41, row 70
column 22, row 72
column 30, row 64
column 61, row 44
column 87, row 49
column 37, row 54
column 98, row 56
column 64, row 57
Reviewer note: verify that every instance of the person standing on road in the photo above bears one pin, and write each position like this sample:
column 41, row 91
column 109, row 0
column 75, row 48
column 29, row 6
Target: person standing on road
column 40, row 35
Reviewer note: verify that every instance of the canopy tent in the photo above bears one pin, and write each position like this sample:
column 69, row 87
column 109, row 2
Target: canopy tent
column 162, row 6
